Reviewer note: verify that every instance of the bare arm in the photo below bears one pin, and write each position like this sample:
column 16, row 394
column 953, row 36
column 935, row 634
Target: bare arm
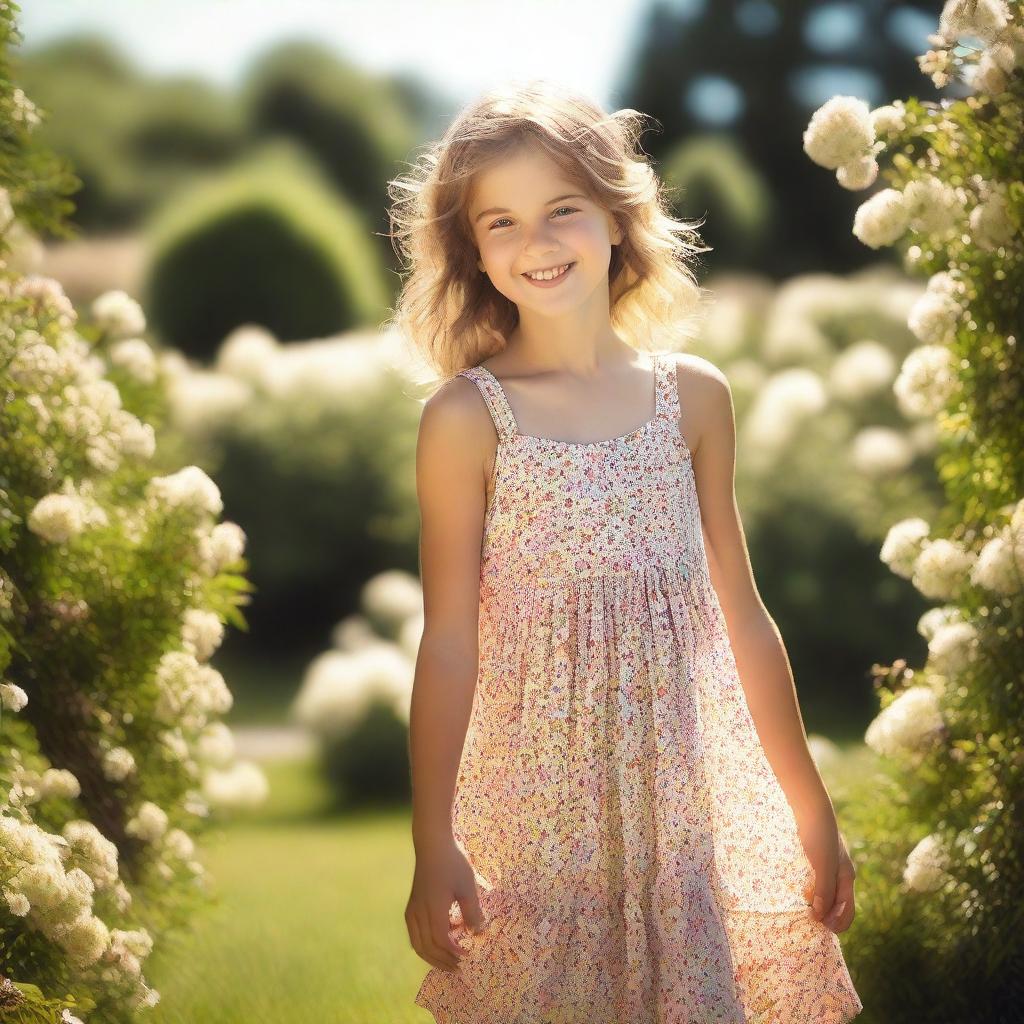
column 760, row 654
column 450, row 458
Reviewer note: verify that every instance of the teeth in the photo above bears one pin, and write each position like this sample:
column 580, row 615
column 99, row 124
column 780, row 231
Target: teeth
column 549, row 275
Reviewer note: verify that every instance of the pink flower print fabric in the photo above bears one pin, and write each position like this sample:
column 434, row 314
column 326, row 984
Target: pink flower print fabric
column 636, row 859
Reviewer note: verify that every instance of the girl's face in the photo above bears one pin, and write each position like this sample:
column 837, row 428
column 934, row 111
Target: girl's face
column 527, row 216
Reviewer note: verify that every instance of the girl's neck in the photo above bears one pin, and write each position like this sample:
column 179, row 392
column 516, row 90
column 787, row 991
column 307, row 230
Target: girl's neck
column 577, row 355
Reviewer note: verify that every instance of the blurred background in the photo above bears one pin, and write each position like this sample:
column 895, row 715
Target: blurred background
column 234, row 158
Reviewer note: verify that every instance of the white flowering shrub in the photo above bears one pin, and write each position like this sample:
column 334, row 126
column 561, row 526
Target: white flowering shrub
column 942, row 837
column 296, row 430
column 355, row 697
column 811, row 362
column 116, row 581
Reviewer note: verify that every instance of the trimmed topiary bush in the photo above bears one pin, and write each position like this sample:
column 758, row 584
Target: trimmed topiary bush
column 266, row 242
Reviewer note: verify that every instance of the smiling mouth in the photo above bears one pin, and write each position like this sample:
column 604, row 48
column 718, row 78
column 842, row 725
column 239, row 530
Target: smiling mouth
column 551, row 275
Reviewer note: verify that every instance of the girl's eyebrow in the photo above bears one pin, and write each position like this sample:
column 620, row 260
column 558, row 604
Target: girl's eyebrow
column 501, row 209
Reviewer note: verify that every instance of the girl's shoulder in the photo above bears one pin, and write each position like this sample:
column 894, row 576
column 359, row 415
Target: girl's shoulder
column 693, row 367
column 698, row 379
column 705, row 398
column 455, row 410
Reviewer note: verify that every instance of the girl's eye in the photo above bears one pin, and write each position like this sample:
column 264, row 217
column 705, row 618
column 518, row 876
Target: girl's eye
column 571, row 209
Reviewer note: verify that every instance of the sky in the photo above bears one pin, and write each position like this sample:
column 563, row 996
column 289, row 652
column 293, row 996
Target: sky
column 463, row 46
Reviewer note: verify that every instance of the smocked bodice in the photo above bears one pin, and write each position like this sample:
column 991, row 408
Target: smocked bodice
column 565, row 510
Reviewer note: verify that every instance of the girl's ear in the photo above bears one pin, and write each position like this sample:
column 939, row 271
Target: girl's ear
column 616, row 232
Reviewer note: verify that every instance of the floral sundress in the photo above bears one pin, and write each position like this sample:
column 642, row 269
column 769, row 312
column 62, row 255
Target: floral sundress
column 636, row 858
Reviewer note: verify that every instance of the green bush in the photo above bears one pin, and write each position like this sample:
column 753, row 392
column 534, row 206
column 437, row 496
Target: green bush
column 353, row 124
column 266, row 242
column 937, row 821
column 133, row 141
column 712, row 173
column 115, row 587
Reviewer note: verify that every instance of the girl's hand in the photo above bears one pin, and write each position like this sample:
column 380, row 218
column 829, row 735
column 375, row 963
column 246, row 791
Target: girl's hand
column 443, row 875
column 831, row 893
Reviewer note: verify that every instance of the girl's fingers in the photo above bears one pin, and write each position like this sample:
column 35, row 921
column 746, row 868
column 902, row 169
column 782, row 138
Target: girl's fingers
column 842, row 916
column 428, row 949
column 416, row 936
column 823, row 901
column 442, row 945
column 448, row 942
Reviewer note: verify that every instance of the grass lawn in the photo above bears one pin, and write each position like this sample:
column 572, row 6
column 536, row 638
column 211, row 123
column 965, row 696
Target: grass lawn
column 308, row 921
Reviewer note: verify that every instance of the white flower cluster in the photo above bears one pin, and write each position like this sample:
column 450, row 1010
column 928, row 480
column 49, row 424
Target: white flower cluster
column 50, row 882
column 987, row 69
column 189, row 692
column 927, row 865
column 24, row 111
column 392, row 596
column 861, row 370
column 176, row 746
column 251, row 364
column 784, row 403
column 953, row 642
column 189, row 488
column 118, row 763
column 927, row 205
column 845, row 136
column 202, row 633
column 937, row 567
column 220, row 546
column 89, row 849
column 123, row 959
column 92, row 414
column 12, row 697
column 940, row 568
column 934, row 317
column 67, row 513
column 936, row 618
column 149, row 822
column 989, row 221
column 881, row 451
column 1000, row 563
column 338, row 687
column 928, row 377
column 63, row 380
column 912, row 723
column 29, row 786
column 215, row 745
column 841, row 137
column 137, row 357
column 118, row 315
column 952, row 647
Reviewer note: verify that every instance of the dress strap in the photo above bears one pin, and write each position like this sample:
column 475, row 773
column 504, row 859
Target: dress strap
column 668, row 388
column 497, row 404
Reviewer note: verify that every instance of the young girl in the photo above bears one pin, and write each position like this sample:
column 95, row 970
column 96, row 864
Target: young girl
column 616, row 818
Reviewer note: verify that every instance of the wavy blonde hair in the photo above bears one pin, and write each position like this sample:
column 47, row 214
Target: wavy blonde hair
column 449, row 312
